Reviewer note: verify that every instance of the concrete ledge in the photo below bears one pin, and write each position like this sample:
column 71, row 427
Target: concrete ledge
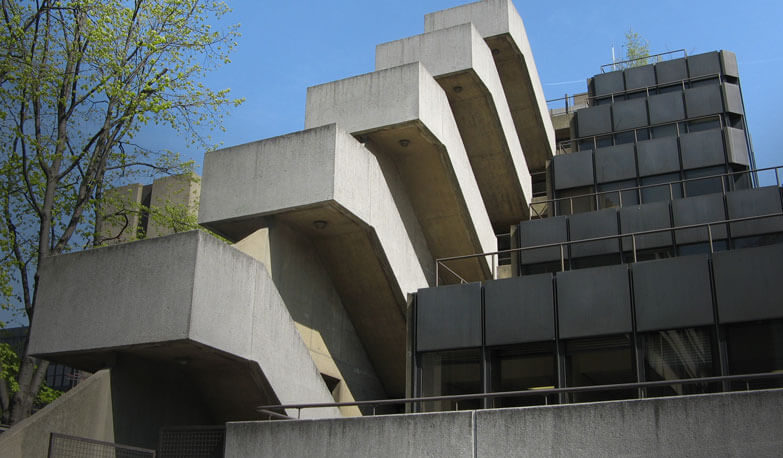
column 462, row 64
column 403, row 115
column 501, row 26
column 726, row 424
column 372, row 243
column 186, row 297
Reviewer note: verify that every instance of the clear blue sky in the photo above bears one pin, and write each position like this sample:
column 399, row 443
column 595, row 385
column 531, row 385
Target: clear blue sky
column 287, row 46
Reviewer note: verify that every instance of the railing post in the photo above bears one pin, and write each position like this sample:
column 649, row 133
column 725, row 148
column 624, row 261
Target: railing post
column 671, row 191
column 633, row 244
column 571, row 201
column 562, row 258
column 777, row 177
column 494, row 266
column 620, row 197
column 437, row 270
column 709, row 235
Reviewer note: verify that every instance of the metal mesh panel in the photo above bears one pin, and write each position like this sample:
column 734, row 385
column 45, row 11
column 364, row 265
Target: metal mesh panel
column 192, row 442
column 63, row 446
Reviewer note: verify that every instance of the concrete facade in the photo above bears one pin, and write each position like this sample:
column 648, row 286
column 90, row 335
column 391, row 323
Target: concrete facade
column 729, row 424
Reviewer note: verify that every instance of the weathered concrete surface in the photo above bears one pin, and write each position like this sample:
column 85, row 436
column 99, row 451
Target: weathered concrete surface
column 186, row 299
column 730, row 424
column 372, row 245
column 501, row 26
column 424, row 435
column 117, row 224
column 403, row 114
column 84, row 411
column 175, row 192
column 304, row 283
column 726, row 424
column 461, row 62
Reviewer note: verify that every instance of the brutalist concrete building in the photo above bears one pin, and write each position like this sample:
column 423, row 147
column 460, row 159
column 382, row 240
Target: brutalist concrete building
column 426, row 236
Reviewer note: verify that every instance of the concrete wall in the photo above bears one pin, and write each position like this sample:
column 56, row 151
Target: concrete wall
column 178, row 192
column 728, row 424
column 84, row 411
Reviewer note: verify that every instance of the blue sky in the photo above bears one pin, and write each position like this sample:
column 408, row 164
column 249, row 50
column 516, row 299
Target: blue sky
column 287, row 46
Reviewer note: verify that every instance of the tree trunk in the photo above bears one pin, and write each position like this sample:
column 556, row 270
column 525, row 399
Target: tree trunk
column 31, row 375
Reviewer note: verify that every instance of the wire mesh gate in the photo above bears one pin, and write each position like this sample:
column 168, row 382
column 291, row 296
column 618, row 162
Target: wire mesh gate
column 65, row 446
column 192, row 442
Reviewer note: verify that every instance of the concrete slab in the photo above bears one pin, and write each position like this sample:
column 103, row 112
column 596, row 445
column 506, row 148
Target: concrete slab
column 462, row 63
column 371, row 242
column 403, row 115
column 501, row 26
column 187, row 299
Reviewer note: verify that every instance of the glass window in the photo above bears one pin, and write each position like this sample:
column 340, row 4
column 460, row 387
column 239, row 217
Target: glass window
column 740, row 180
column 663, row 192
column 604, row 141
column 704, row 186
column 703, row 247
column 451, row 372
column 679, row 354
column 624, row 137
column 705, row 82
column 704, row 124
column 523, row 367
column 612, row 199
column 575, row 200
column 755, row 348
column 666, row 130
column 600, row 361
column 666, row 89
column 586, row 144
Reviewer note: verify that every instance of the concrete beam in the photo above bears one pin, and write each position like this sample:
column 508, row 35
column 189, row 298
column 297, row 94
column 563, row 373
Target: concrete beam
column 403, row 115
column 187, row 299
column 462, row 64
column 501, row 26
column 370, row 242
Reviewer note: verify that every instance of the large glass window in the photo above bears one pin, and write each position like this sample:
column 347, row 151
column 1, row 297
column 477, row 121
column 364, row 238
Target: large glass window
column 609, row 199
column 664, row 191
column 600, row 361
column 575, row 200
column 679, row 354
column 450, row 372
column 704, row 186
column 755, row 348
column 523, row 367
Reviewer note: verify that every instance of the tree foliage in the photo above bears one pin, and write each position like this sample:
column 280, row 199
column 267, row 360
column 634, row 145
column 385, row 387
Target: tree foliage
column 637, row 50
column 79, row 79
column 9, row 371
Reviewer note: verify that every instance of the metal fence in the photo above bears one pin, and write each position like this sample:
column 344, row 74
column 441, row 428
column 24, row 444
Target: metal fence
column 192, row 442
column 65, row 446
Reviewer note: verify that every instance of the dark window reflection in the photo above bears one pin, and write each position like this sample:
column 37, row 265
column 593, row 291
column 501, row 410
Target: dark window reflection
column 700, row 187
column 575, row 200
column 609, row 199
column 600, row 361
column 703, row 124
column 679, row 354
column 663, row 192
column 523, row 367
column 755, row 348
column 451, row 372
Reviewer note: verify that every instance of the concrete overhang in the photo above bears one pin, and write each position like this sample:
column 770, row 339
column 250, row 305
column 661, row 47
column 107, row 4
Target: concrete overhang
column 187, row 300
column 327, row 186
column 501, row 26
column 461, row 62
column 403, row 115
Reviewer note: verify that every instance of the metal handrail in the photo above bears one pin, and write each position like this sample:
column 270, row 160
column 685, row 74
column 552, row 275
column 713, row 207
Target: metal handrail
column 633, row 235
column 561, row 149
column 639, row 188
column 522, row 393
column 685, row 54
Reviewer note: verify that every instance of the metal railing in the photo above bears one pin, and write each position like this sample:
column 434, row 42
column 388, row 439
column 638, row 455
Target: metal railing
column 66, row 446
column 595, row 197
column 273, row 410
column 572, row 145
column 656, row 57
column 571, row 103
column 439, row 262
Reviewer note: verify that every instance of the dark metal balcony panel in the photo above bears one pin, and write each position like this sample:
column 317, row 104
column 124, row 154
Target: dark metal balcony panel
column 704, row 64
column 748, row 284
column 593, row 302
column 703, row 100
column 573, row 170
column 628, row 114
column 732, row 99
column 737, row 146
column 696, row 210
column 594, row 224
column 671, row 71
column 448, row 317
column 640, row 77
column 519, row 310
column 702, row 149
column 540, row 232
column 729, row 63
column 755, row 202
column 666, row 107
column 657, row 156
column 594, row 120
column 607, row 83
column 615, row 163
column 646, row 217
column 672, row 293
